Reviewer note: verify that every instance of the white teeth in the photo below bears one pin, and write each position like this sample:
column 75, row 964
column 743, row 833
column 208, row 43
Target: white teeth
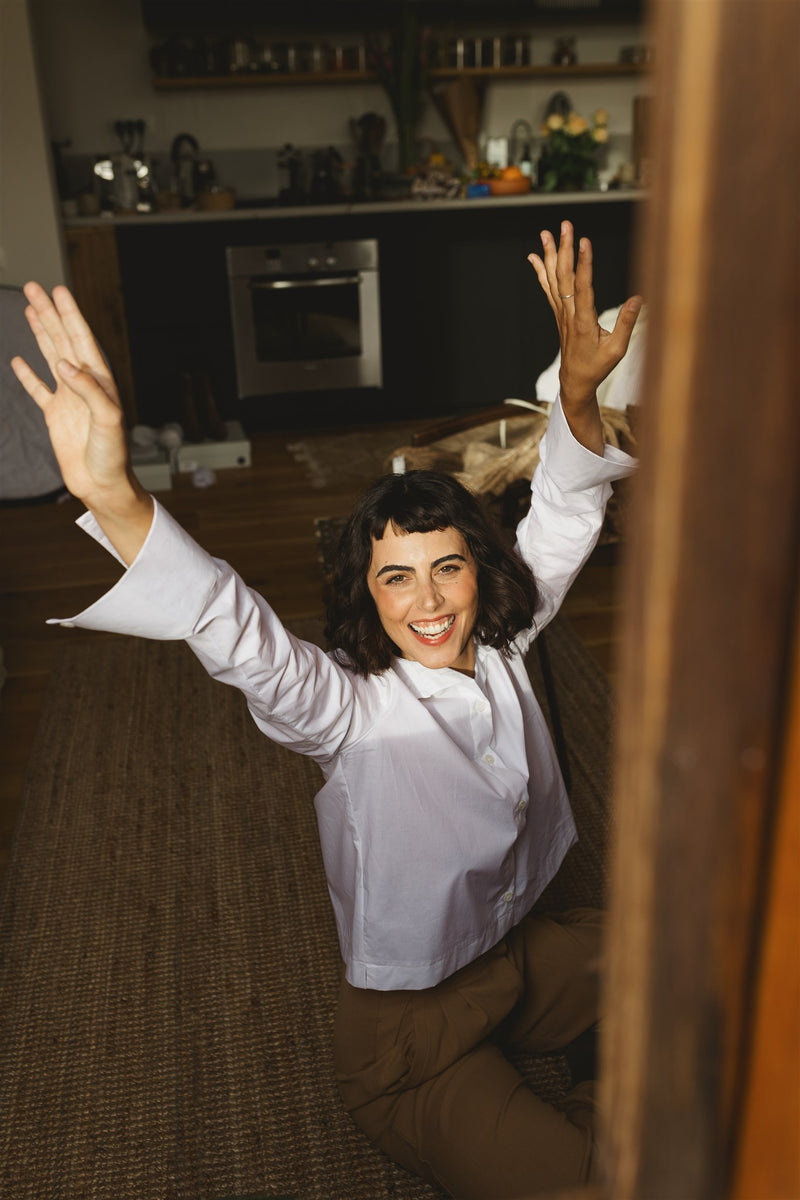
column 435, row 630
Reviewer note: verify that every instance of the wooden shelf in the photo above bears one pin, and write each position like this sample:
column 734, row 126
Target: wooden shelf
column 541, row 71
column 306, row 78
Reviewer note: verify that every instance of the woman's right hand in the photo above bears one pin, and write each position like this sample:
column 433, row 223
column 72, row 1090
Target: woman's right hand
column 588, row 351
column 84, row 418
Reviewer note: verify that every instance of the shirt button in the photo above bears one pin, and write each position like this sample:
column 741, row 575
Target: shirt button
column 508, row 897
column 480, row 706
column 523, row 804
column 489, row 758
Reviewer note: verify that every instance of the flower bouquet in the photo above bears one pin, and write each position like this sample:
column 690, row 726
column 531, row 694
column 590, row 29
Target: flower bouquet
column 570, row 151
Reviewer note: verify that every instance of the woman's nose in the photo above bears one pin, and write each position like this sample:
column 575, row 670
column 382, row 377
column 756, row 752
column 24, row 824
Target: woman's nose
column 430, row 596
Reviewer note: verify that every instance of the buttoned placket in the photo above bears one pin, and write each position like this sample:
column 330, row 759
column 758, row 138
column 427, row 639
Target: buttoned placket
column 481, row 715
column 482, row 712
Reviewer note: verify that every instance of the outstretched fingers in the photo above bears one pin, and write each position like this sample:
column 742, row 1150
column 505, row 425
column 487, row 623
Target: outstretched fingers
column 584, row 290
column 568, row 288
column 541, row 274
column 620, row 335
column 104, row 408
column 74, row 387
column 38, row 391
column 61, row 331
column 545, row 267
column 47, row 326
column 563, row 260
column 77, row 329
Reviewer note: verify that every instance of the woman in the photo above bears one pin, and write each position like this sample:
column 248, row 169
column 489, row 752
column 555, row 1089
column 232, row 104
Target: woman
column 443, row 815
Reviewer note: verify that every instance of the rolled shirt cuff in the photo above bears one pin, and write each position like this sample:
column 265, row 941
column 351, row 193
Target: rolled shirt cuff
column 573, row 467
column 163, row 591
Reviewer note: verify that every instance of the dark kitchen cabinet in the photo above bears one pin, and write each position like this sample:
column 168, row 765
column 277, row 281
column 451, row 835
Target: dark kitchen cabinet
column 358, row 15
column 463, row 321
column 466, row 324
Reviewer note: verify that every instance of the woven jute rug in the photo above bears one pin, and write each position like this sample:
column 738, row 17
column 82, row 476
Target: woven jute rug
column 355, row 457
column 168, row 959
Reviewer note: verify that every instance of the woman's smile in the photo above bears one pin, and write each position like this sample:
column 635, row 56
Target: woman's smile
column 436, row 631
column 425, row 588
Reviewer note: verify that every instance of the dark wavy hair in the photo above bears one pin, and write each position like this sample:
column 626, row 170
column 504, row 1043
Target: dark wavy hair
column 420, row 502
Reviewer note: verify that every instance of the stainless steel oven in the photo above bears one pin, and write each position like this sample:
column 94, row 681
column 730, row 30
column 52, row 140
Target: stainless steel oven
column 305, row 316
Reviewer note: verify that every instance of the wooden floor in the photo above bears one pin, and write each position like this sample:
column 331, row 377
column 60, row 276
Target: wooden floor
column 259, row 518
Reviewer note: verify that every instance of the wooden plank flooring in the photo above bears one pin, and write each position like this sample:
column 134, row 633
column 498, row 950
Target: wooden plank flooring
column 259, row 518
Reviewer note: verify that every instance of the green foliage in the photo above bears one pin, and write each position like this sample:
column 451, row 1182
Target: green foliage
column 570, row 152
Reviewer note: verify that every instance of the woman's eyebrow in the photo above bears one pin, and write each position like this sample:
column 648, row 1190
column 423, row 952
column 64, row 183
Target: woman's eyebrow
column 393, row 567
column 437, row 562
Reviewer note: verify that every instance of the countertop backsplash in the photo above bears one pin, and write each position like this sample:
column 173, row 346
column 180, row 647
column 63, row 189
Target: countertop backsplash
column 255, row 175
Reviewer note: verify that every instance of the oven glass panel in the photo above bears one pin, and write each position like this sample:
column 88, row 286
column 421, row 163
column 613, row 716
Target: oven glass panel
column 307, row 321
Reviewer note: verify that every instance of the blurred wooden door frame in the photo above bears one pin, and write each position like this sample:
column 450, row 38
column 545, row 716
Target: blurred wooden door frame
column 701, row 1075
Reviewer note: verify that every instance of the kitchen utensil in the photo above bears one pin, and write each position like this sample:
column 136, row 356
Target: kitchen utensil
column 291, row 159
column 183, row 154
column 205, row 177
column 519, row 142
column 125, row 186
column 326, row 184
column 368, row 133
column 460, row 103
column 147, row 201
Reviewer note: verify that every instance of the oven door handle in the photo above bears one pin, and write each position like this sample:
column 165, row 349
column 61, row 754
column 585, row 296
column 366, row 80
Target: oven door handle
column 325, row 281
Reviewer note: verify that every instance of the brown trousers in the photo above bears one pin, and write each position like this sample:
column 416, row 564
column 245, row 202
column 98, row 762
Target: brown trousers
column 424, row 1075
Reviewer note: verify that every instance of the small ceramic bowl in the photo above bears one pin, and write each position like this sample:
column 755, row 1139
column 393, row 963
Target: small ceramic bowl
column 510, row 187
column 216, row 199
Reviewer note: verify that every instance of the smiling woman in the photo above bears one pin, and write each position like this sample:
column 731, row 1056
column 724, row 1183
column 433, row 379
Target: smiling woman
column 427, row 607
column 443, row 816
column 417, row 550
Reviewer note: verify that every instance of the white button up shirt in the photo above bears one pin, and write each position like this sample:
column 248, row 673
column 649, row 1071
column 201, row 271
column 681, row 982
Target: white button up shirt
column 443, row 815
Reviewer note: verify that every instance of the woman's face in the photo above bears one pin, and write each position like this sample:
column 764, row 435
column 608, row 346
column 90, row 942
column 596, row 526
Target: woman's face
column 425, row 588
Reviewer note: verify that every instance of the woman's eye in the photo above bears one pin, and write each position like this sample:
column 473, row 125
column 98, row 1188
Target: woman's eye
column 396, row 579
column 448, row 569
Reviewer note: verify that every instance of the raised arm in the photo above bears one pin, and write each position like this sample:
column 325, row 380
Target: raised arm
column 85, row 420
column 588, row 352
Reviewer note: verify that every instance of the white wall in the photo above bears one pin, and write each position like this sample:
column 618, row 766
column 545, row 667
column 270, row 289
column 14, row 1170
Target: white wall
column 94, row 58
column 30, row 230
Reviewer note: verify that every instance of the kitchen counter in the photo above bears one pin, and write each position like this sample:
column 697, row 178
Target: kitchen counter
column 274, row 212
column 459, row 290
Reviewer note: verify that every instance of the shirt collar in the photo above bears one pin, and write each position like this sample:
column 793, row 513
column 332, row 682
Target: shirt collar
column 428, row 681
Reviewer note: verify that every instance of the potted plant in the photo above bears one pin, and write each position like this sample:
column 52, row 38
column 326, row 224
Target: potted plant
column 570, row 151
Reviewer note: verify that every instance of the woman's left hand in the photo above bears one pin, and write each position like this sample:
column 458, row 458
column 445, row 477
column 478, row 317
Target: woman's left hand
column 588, row 352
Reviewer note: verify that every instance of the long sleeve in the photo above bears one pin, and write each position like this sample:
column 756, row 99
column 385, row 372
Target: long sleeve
column 174, row 590
column 569, row 493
